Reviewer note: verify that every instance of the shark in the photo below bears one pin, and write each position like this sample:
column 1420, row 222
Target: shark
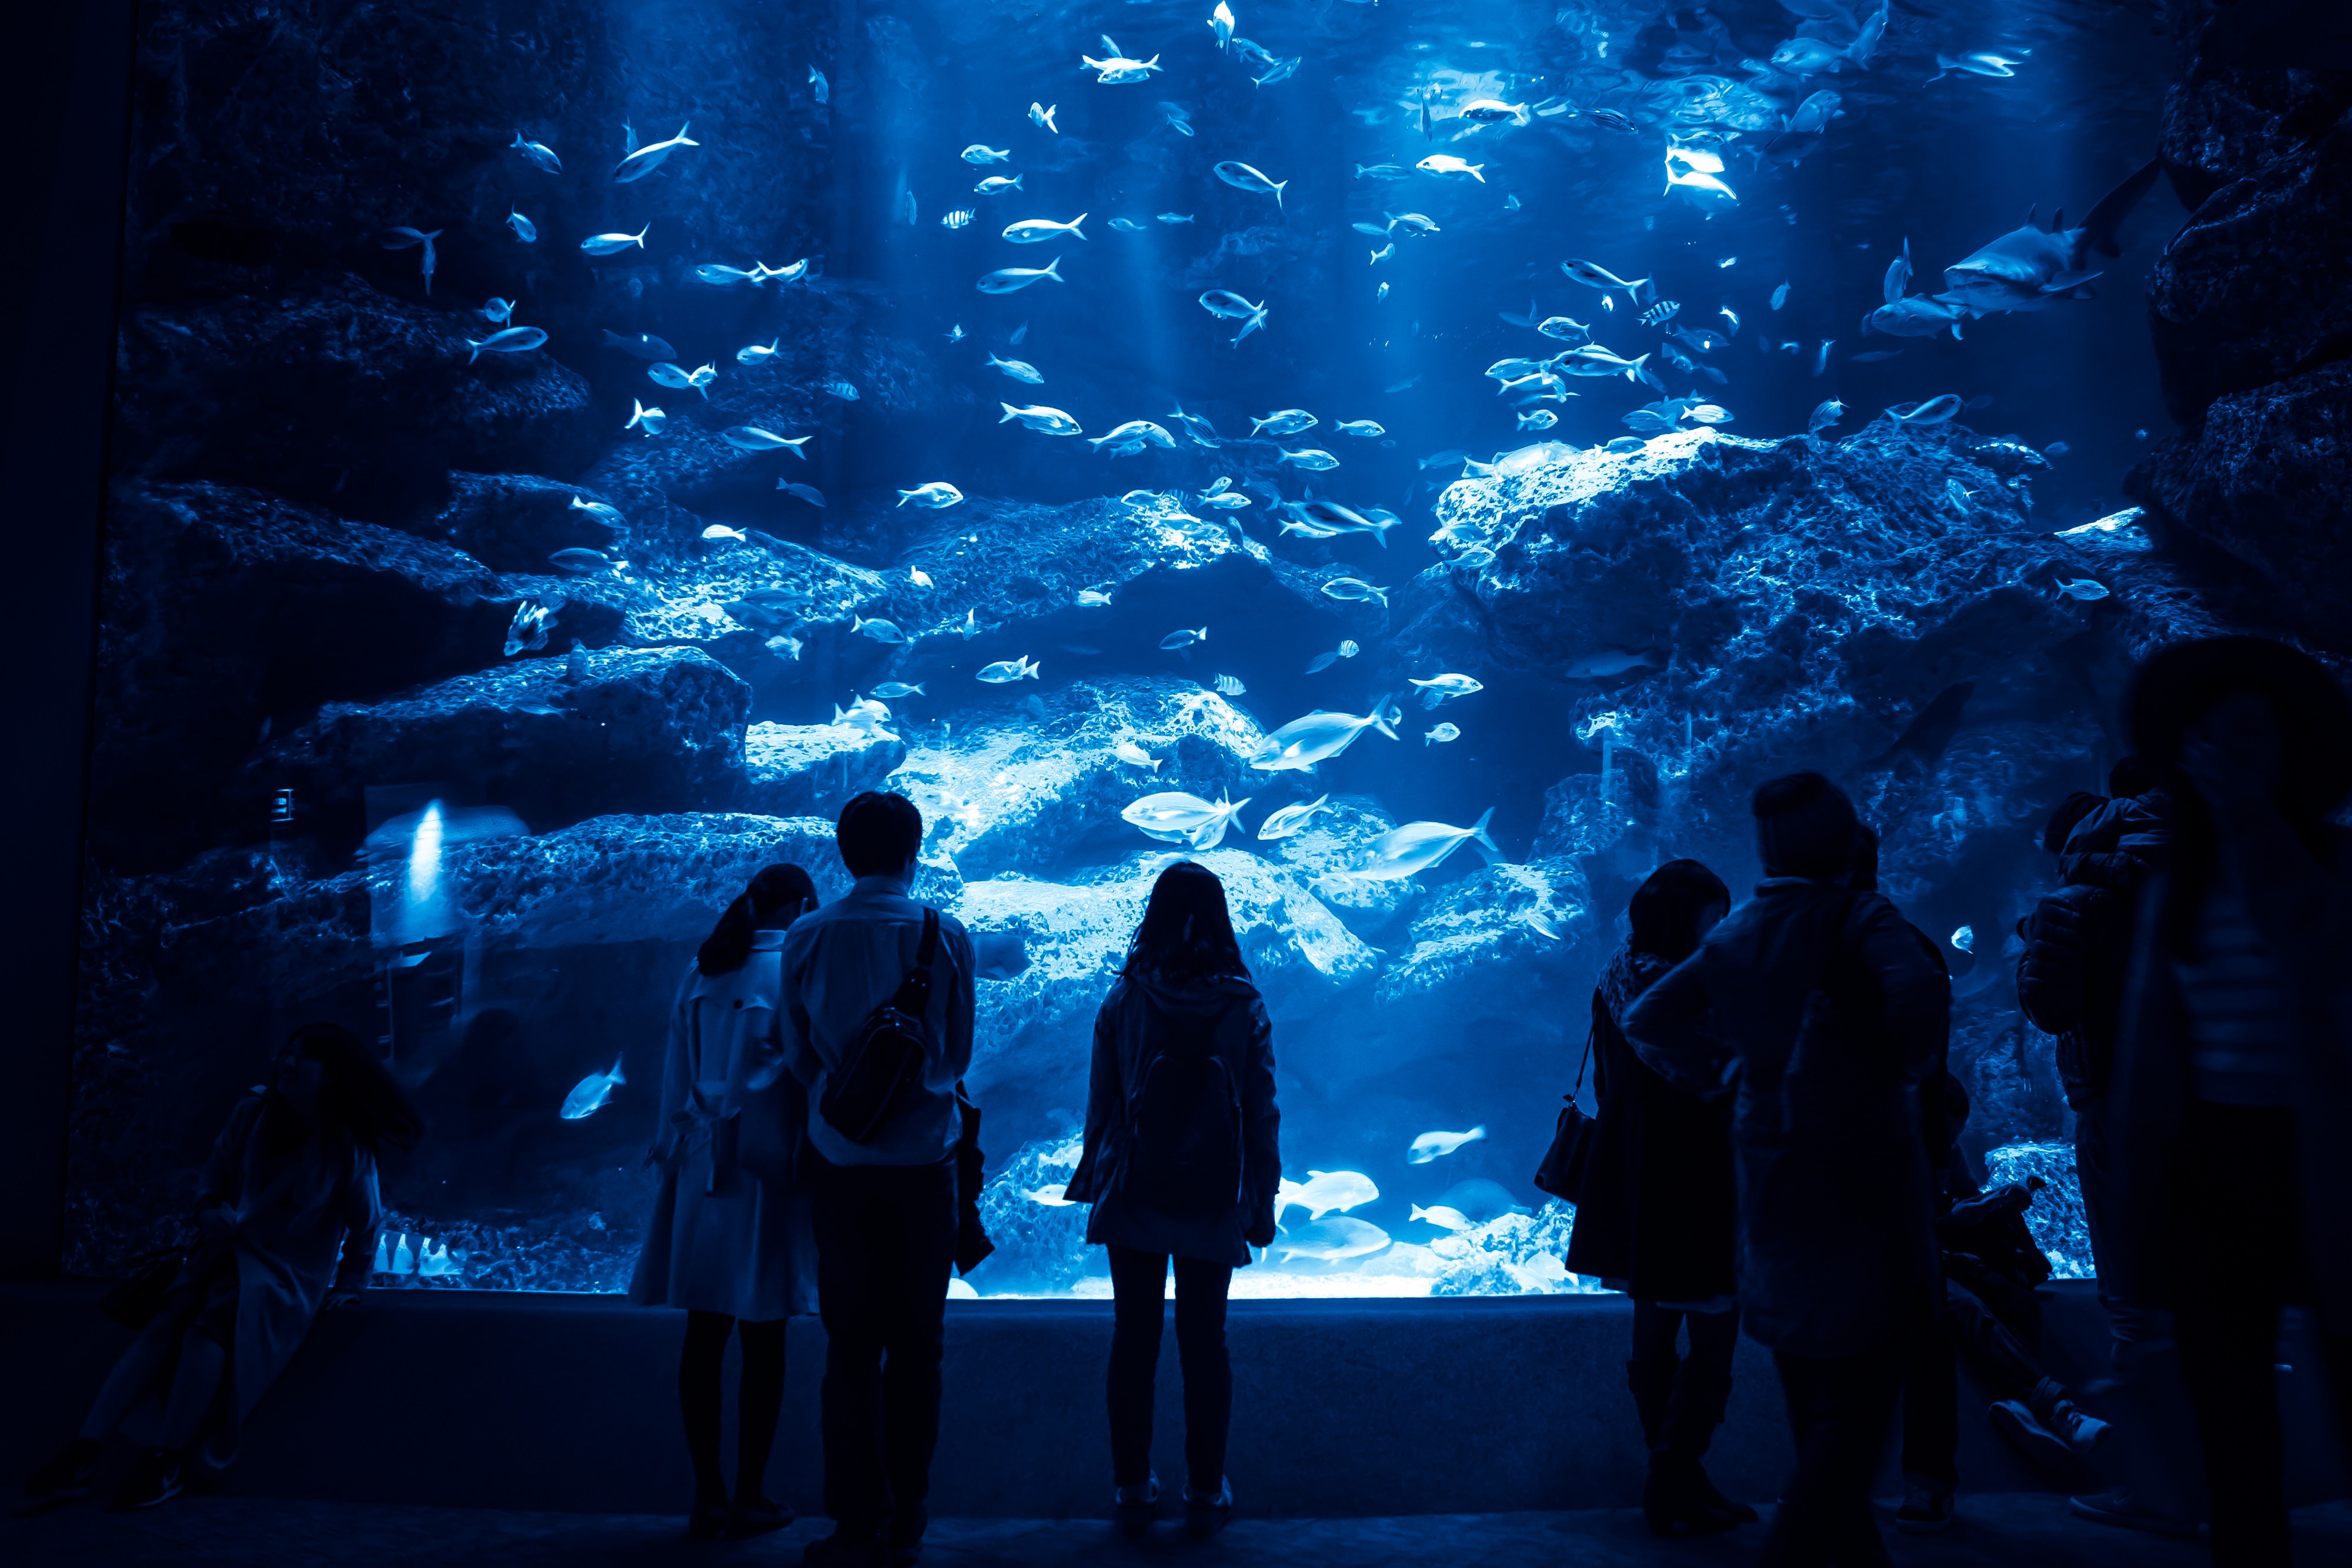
column 2028, row 268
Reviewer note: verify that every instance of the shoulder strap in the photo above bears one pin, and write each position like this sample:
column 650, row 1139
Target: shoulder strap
column 914, row 993
column 928, row 950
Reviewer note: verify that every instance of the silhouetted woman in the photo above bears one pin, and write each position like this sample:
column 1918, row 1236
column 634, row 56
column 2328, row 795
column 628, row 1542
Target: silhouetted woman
column 286, row 1212
column 732, row 1240
column 1656, row 1216
column 2234, row 1066
column 1181, row 1160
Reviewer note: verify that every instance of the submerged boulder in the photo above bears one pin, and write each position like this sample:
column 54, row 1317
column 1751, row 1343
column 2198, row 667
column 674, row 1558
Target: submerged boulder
column 813, row 769
column 515, row 522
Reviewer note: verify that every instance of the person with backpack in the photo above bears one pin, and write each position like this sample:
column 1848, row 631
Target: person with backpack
column 732, row 1242
column 1816, row 1003
column 1183, row 1160
column 877, row 1003
column 1655, row 1213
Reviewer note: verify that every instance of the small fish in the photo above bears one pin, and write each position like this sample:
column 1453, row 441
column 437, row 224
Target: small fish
column 1291, row 819
column 932, row 497
column 1225, row 501
column 2056, row 449
column 579, row 562
column 1437, row 1146
column 588, row 1096
column 1439, row 688
column 1241, row 177
column 720, row 276
column 1934, row 411
column 2084, row 588
column 1283, row 421
column 605, row 244
column 1005, row 670
column 957, row 219
column 997, row 184
column 1956, row 495
column 1313, row 459
column 497, row 310
column 1177, row 119
column 1125, row 227
column 1184, row 638
column 1132, row 436
column 1407, row 384
column 528, row 630
column 1043, row 115
column 524, row 229
column 1444, row 1219
column 1561, row 329
column 1134, row 755
column 1438, row 734
column 645, row 160
column 1416, row 225
column 538, row 152
column 1964, row 938
column 1324, row 1192
column 717, row 531
column 809, row 493
column 981, row 153
column 1355, row 591
column 892, row 690
column 1595, row 276
column 752, row 438
column 1175, row 217
column 1019, row 333
column 1006, row 279
column 1383, row 172
column 1033, row 231
column 1380, row 293
column 1019, row 370
column 1780, row 297
column 1661, row 313
column 1822, row 355
column 1707, row 413
column 604, row 512
column 1118, row 69
column 880, row 630
column 1201, row 432
column 955, row 334
column 1824, row 415
column 1037, row 416
column 1611, row 120
column 819, row 89
column 1493, row 112
column 1982, row 64
column 1511, row 203
column 1367, row 429
column 1447, row 165
column 1221, row 22
column 836, row 387
column 1538, row 419
column 1231, row 307
column 1729, row 315
column 649, row 420
column 784, row 647
column 644, row 346
column 1229, row 685
column 512, row 341
column 755, row 353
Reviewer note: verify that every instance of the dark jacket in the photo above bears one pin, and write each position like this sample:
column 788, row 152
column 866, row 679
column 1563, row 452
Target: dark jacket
column 2078, row 940
column 1136, row 1020
column 2306, row 918
column 1657, row 1214
column 1819, row 1007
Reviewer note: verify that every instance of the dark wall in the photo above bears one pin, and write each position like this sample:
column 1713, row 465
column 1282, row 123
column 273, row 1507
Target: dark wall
column 56, row 319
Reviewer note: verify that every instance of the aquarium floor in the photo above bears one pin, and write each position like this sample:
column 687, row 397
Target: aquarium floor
column 2005, row 1529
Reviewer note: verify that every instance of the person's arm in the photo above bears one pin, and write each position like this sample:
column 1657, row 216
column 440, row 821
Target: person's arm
column 362, row 1217
column 801, row 1059
column 1103, row 1091
column 678, row 1076
column 1261, row 1131
column 1671, row 1027
column 1913, row 988
column 2050, row 978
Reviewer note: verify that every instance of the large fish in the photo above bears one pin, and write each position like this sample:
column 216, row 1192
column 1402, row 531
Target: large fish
column 1319, row 736
column 1176, row 818
column 1401, row 851
column 2027, row 268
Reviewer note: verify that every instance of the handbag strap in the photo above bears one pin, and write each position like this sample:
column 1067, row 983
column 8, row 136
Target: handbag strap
column 914, row 993
column 1589, row 1033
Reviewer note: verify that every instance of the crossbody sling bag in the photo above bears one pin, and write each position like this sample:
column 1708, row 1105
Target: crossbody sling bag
column 886, row 1060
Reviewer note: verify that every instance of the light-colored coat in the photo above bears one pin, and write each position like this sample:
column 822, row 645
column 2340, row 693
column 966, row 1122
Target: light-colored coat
column 721, row 1239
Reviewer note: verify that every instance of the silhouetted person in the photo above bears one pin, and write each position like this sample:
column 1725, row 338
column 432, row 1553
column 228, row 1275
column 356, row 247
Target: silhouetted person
column 732, row 1240
column 2233, row 1080
column 1182, row 1161
column 1657, row 1211
column 286, row 1212
column 875, row 983
column 1817, row 1001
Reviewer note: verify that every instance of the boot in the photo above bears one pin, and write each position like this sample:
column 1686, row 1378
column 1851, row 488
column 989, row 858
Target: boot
column 1678, row 1499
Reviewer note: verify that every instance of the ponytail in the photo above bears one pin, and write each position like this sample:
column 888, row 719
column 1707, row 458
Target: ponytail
column 777, row 888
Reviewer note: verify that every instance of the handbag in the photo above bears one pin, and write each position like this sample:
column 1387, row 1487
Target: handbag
column 887, row 1058
column 134, row 1303
column 971, row 1245
column 1561, row 1173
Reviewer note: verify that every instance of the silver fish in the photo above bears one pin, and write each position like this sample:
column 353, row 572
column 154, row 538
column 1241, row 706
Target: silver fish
column 513, row 341
column 880, row 630
column 1416, row 847
column 981, row 153
column 590, row 1094
column 649, row 420
column 1319, row 736
column 1183, row 638
column 605, row 244
column 1037, row 416
column 1283, row 421
column 644, row 346
column 524, row 229
column 1934, row 411
column 1595, row 276
column 1355, row 591
column 1438, row 734
column 1175, row 217
column 538, row 152
column 1313, row 459
column 1042, row 115
column 1005, row 670
column 1019, row 370
column 997, row 184
column 1282, row 824
column 939, row 493
column 645, row 160
column 1241, row 177
column 1032, row 231
column 1233, row 307
column 1007, row 279
column 756, row 353
column 752, row 438
column 1175, row 817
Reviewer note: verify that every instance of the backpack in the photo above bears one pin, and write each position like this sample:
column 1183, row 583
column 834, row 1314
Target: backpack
column 1184, row 1119
column 886, row 1060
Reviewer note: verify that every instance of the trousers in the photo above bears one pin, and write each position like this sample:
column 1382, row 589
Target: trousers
column 1840, row 1409
column 1139, row 1293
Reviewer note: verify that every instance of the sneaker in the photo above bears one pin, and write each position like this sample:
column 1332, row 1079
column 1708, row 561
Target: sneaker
column 1203, row 1517
column 1137, row 1507
column 904, row 1544
column 758, row 1517
column 2120, row 1508
column 70, row 1474
column 2024, row 1432
column 843, row 1549
column 2082, row 1431
column 1926, row 1512
column 154, row 1479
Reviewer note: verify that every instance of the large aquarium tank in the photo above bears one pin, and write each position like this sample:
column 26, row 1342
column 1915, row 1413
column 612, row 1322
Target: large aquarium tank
column 1425, row 461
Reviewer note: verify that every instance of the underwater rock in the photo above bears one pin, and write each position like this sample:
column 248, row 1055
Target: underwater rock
column 514, row 522
column 1041, row 1242
column 228, row 610
column 1032, row 782
column 334, row 394
column 813, row 769
column 1036, row 1029
column 1521, row 920
column 2055, row 1215
column 1338, row 839
column 555, row 739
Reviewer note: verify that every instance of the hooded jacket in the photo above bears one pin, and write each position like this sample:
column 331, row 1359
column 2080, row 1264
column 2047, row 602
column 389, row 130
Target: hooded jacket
column 1136, row 1020
column 1817, row 1005
column 2078, row 940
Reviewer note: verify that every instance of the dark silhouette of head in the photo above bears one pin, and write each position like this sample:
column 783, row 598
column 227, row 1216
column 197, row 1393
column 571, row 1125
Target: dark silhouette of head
column 1862, row 869
column 2070, row 812
column 1804, row 827
column 774, row 898
column 879, row 833
column 1187, row 933
column 2130, row 776
column 356, row 1096
column 1669, row 910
